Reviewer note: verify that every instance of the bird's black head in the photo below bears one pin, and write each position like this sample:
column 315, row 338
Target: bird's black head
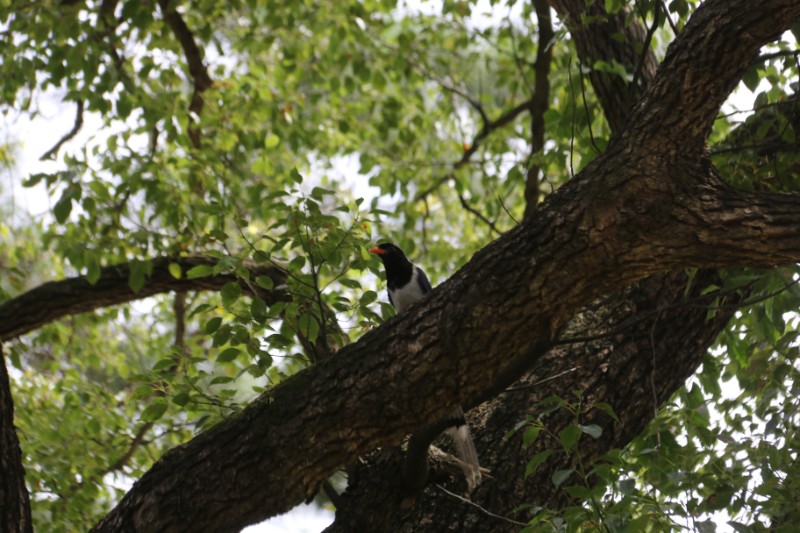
column 397, row 265
column 388, row 252
column 399, row 269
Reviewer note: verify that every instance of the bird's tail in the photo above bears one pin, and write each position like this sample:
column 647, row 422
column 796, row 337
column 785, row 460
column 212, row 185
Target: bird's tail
column 465, row 449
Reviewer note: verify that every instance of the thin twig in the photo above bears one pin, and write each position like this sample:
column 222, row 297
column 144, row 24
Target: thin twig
column 688, row 303
column 503, row 205
column 504, row 119
column 645, row 46
column 463, row 94
column 777, row 55
column 543, row 381
column 76, row 127
column 669, row 19
column 478, row 214
column 194, row 59
column 335, row 498
column 572, row 134
column 588, row 118
column 653, row 373
column 481, row 509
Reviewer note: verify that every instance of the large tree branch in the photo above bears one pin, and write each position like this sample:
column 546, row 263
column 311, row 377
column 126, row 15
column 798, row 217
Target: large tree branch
column 700, row 70
column 76, row 295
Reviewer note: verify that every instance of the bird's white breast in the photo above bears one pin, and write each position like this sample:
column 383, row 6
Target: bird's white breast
column 403, row 297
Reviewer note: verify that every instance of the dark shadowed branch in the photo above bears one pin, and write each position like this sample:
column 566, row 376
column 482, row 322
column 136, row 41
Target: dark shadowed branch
column 76, row 295
column 194, row 59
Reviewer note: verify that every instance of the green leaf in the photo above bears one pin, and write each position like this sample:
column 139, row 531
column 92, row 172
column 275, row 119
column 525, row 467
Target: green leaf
column 231, row 292
column 92, row 269
column 593, row 430
column 271, row 141
column 175, row 270
column 265, row 282
column 569, row 436
column 143, row 391
column 279, row 340
column 530, row 435
column 137, row 278
column 367, row 298
column 308, row 326
column 537, row 460
column 560, row 476
column 154, row 411
column 199, row 271
column 607, row 409
column 296, row 176
column 213, row 324
column 258, row 309
column 626, row 486
column 63, row 208
column 228, row 355
column 182, row 398
column 751, row 78
column 222, row 335
column 739, row 527
column 166, row 363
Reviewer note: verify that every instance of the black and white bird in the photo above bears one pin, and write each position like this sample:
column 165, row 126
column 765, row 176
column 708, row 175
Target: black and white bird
column 407, row 283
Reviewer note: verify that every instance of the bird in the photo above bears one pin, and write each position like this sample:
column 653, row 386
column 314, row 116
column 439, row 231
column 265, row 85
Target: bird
column 406, row 284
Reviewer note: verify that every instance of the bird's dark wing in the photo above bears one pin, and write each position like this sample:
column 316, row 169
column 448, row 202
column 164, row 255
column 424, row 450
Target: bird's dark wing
column 422, row 279
column 390, row 297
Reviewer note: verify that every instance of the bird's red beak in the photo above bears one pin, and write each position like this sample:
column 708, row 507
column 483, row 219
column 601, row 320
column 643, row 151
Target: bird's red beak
column 376, row 250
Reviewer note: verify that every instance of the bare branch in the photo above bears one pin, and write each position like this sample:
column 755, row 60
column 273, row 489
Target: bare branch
column 478, row 214
column 647, row 41
column 709, row 70
column 194, row 59
column 76, row 295
column 76, row 127
column 481, row 509
column 503, row 120
column 540, row 102
column 465, row 95
column 669, row 19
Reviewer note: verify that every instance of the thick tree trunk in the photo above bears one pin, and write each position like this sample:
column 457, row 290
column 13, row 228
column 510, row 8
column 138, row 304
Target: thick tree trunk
column 15, row 510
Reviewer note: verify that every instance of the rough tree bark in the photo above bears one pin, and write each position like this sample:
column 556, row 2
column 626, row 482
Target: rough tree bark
column 15, row 509
column 77, row 295
column 651, row 203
